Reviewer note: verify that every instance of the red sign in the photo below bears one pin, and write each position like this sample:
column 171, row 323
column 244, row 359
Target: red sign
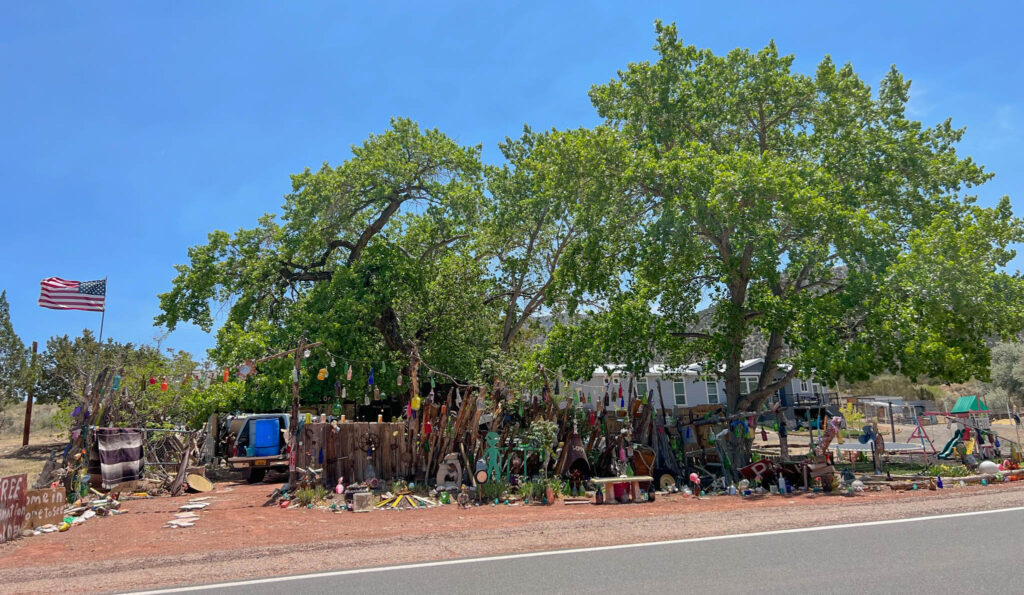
column 12, row 506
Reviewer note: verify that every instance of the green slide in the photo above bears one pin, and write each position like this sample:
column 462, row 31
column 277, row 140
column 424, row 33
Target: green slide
column 947, row 451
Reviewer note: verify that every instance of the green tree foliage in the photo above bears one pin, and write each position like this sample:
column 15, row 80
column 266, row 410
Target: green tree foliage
column 536, row 231
column 1008, row 373
column 67, row 366
column 13, row 358
column 812, row 210
column 373, row 257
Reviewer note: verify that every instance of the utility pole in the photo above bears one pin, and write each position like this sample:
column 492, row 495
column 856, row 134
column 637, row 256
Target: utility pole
column 294, row 429
column 31, row 392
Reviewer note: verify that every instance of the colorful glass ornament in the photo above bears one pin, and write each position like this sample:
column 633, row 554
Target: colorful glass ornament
column 399, row 380
column 152, row 379
column 431, row 382
column 427, row 428
column 163, row 383
column 332, row 361
column 371, row 377
column 227, row 374
column 344, row 392
column 117, row 382
column 376, row 393
column 322, row 374
column 415, row 403
column 348, row 373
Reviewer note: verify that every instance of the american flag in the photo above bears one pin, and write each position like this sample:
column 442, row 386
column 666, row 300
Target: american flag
column 61, row 294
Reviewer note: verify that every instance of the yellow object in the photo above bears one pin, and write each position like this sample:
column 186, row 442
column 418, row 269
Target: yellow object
column 321, row 374
column 64, row 527
column 308, row 418
column 415, row 403
column 970, row 446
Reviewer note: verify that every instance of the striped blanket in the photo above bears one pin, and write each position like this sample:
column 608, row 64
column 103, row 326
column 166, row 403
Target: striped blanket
column 120, row 455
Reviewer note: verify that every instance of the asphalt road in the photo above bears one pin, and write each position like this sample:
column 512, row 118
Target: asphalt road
column 953, row 554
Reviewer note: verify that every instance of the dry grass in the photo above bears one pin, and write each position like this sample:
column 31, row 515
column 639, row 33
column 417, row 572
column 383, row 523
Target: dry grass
column 45, row 438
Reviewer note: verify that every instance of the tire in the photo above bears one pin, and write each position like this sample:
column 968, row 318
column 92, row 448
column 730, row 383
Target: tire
column 255, row 475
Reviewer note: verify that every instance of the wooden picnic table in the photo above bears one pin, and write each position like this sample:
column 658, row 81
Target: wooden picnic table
column 634, row 486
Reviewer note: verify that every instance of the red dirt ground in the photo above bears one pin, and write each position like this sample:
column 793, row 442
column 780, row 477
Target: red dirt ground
column 236, row 537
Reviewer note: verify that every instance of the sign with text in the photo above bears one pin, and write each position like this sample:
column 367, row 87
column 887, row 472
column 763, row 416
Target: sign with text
column 44, row 507
column 12, row 506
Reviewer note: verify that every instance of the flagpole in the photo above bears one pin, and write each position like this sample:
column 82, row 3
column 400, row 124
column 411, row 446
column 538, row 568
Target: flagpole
column 99, row 343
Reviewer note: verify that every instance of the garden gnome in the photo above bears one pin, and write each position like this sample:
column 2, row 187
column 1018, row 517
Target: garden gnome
column 340, row 488
column 695, row 480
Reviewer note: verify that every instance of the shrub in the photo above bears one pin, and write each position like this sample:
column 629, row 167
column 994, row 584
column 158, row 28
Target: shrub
column 313, row 495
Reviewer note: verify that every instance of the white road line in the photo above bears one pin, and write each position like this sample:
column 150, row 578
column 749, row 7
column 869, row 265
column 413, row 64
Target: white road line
column 602, row 548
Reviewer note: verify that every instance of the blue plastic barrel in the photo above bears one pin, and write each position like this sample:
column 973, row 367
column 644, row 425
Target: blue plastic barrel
column 265, row 436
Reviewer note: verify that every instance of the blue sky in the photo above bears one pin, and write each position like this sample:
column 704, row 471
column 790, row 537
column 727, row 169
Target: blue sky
column 128, row 131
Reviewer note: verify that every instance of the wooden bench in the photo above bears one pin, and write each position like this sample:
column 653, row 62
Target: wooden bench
column 634, row 486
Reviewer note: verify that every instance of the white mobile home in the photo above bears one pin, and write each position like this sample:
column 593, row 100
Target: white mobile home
column 689, row 386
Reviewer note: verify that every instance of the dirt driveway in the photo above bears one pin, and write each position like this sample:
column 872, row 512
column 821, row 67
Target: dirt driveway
column 236, row 537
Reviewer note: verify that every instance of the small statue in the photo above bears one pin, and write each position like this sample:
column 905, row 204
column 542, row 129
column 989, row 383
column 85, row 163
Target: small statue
column 493, row 456
column 464, row 497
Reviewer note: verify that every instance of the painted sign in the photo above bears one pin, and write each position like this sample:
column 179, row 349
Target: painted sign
column 12, row 506
column 44, row 507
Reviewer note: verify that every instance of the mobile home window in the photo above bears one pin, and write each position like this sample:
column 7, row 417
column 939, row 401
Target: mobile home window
column 803, row 386
column 679, row 390
column 641, row 387
column 748, row 384
column 712, row 392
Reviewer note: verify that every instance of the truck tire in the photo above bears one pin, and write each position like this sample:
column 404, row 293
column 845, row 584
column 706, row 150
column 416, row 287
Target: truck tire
column 255, row 475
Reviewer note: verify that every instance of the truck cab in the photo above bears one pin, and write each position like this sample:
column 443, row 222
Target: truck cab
column 260, row 444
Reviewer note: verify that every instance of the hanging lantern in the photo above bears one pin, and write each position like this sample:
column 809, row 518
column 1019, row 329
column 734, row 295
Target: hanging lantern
column 322, row 374
column 415, row 403
column 227, row 374
column 163, row 383
column 348, row 373
column 117, row 382
column 152, row 379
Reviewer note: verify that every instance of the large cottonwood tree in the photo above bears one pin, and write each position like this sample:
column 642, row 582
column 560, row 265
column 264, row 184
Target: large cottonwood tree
column 373, row 257
column 810, row 209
